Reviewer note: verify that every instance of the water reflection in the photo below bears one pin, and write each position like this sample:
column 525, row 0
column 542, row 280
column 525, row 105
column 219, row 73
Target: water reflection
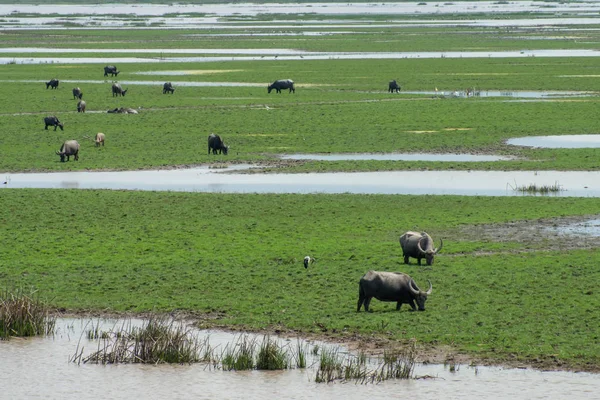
column 40, row 368
column 586, row 228
column 467, row 183
column 556, row 142
column 396, row 157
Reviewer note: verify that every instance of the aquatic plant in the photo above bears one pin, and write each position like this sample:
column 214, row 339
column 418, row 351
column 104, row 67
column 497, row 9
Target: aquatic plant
column 24, row 314
column 532, row 188
column 240, row 356
column 271, row 356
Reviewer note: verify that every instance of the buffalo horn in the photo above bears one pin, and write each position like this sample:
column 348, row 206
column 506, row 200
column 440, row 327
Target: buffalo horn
column 412, row 289
column 419, row 247
column 430, row 287
column 439, row 248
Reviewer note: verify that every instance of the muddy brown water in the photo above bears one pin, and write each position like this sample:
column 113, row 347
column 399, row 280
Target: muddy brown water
column 41, row 368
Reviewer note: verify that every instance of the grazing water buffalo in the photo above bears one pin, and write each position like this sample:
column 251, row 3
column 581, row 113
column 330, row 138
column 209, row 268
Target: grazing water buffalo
column 216, row 143
column 167, row 87
column 282, row 84
column 419, row 245
column 111, row 69
column 393, row 87
column 391, row 286
column 122, row 110
column 53, row 121
column 81, row 106
column 99, row 139
column 69, row 148
column 118, row 90
column 52, row 84
column 77, row 93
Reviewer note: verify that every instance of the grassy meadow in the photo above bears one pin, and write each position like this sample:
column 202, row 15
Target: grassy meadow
column 237, row 259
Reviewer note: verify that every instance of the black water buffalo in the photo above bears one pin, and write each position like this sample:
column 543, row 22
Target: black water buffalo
column 53, row 121
column 419, row 245
column 118, row 90
column 99, row 139
column 53, row 83
column 391, row 286
column 69, row 148
column 167, row 87
column 393, row 87
column 215, row 143
column 81, row 106
column 122, row 110
column 77, row 93
column 111, row 69
column 282, row 84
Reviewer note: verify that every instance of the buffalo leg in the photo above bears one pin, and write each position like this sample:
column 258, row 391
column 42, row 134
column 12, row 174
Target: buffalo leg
column 361, row 300
column 76, row 157
column 405, row 259
column 398, row 305
column 367, row 303
column 412, row 304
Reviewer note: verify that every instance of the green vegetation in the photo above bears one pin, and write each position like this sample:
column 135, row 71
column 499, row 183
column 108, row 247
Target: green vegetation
column 24, row 314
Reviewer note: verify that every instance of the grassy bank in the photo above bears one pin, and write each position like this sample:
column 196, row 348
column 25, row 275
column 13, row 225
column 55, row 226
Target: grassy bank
column 239, row 257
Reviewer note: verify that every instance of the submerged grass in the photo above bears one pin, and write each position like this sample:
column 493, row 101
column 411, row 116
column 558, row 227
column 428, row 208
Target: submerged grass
column 24, row 314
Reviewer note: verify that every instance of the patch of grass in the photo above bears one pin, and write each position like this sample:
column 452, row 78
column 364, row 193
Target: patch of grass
column 239, row 357
column 24, row 314
column 532, row 188
column 271, row 356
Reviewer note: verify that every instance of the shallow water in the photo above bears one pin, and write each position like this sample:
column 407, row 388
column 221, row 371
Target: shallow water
column 395, row 157
column 556, row 142
column 586, row 228
column 312, row 56
column 467, row 183
column 41, row 368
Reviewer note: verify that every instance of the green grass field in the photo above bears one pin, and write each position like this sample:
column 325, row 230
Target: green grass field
column 239, row 257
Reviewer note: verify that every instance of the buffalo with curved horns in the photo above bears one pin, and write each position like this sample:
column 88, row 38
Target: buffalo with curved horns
column 419, row 245
column 168, row 87
column 69, row 148
column 282, row 84
column 53, row 83
column 111, row 69
column 393, row 87
column 81, row 106
column 391, row 286
column 51, row 120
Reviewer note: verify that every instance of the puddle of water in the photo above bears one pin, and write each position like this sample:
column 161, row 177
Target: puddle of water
column 466, row 183
column 41, row 365
column 556, row 142
column 520, row 94
column 587, row 228
column 395, row 157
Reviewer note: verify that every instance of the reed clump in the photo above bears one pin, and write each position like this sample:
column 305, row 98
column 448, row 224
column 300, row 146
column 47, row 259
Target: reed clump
column 532, row 188
column 24, row 314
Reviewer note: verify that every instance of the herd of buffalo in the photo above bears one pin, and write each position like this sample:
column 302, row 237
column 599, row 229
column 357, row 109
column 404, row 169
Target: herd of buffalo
column 384, row 286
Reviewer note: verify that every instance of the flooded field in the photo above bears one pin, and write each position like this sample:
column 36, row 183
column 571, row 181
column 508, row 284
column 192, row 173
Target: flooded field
column 395, row 157
column 37, row 366
column 466, row 183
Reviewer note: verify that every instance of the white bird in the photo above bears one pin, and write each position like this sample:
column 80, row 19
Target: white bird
column 308, row 260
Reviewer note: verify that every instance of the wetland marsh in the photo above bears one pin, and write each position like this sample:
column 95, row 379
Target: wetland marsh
column 234, row 260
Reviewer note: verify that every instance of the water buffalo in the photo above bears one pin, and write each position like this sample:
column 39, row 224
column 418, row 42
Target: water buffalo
column 53, row 121
column 391, row 286
column 167, row 87
column 118, row 90
column 99, row 139
column 81, row 106
column 69, row 148
column 282, row 84
column 216, row 143
column 122, row 110
column 419, row 245
column 111, row 69
column 393, row 87
column 52, row 84
column 77, row 93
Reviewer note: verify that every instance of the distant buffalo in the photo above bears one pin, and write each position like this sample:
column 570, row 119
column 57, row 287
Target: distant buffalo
column 167, row 87
column 99, row 139
column 393, row 87
column 122, row 110
column 111, row 69
column 81, row 106
column 52, row 84
column 118, row 90
column 282, row 84
column 77, row 93
column 69, row 148
column 215, row 143
column 419, row 245
column 53, row 121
